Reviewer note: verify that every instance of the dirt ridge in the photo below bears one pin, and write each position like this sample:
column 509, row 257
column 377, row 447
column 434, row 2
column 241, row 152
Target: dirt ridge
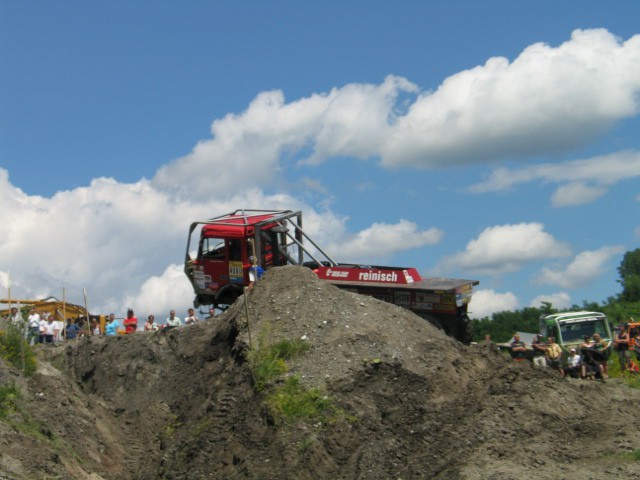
column 180, row 404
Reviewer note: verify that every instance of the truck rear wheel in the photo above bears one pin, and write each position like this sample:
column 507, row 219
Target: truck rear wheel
column 465, row 329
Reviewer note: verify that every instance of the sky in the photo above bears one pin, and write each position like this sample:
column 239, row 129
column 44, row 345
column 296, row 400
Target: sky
column 494, row 141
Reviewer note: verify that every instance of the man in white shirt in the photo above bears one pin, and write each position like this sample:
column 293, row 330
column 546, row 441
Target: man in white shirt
column 16, row 317
column 173, row 321
column 34, row 326
column 191, row 318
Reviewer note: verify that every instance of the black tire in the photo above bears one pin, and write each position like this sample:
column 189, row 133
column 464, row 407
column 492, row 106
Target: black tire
column 465, row 329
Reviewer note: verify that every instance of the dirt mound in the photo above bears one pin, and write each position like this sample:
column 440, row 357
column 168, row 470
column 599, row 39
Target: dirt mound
column 405, row 401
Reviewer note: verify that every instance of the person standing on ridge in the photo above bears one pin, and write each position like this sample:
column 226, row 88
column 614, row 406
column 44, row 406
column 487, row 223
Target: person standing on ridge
column 111, row 329
column 131, row 322
column 173, row 321
column 191, row 318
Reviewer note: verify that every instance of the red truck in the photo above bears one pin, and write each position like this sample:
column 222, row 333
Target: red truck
column 236, row 247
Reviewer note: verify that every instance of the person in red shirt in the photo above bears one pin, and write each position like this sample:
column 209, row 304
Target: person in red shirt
column 131, row 322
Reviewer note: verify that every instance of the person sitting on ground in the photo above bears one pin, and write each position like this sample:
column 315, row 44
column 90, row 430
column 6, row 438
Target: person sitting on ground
column 573, row 368
column 150, row 324
column 191, row 318
column 131, row 322
column 554, row 355
column 539, row 348
column 72, row 330
column 636, row 346
column 621, row 346
column 111, row 329
column 173, row 321
column 518, row 348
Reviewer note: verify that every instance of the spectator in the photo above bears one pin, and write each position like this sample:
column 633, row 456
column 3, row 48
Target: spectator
column 72, row 330
column 191, row 318
column 34, row 326
column 173, row 321
column 573, row 368
column 539, row 350
column 212, row 313
column 131, row 322
column 600, row 346
column 111, row 328
column 554, row 355
column 588, row 365
column 42, row 327
column 150, row 324
column 518, row 348
column 50, row 330
column 255, row 270
column 16, row 318
column 621, row 346
column 95, row 327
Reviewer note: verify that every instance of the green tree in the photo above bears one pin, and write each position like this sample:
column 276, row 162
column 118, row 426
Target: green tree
column 629, row 271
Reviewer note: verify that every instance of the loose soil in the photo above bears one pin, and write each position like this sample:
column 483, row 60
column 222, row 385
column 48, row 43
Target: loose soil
column 411, row 403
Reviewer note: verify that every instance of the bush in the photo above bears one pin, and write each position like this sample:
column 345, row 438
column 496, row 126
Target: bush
column 15, row 349
column 9, row 396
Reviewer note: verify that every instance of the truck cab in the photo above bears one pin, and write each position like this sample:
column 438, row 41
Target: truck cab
column 231, row 245
column 570, row 328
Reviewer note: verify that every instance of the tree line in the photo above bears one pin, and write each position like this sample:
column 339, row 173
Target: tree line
column 618, row 309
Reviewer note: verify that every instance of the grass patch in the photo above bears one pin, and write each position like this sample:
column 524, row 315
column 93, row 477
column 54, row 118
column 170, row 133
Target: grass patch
column 15, row 349
column 287, row 401
column 268, row 362
column 291, row 401
column 9, row 397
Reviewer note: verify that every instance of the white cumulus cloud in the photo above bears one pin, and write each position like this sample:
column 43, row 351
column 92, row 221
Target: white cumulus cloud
column 549, row 99
column 585, row 267
column 581, row 181
column 486, row 302
column 382, row 240
column 506, row 248
column 558, row 300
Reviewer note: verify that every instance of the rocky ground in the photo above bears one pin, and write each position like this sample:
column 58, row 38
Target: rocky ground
column 406, row 402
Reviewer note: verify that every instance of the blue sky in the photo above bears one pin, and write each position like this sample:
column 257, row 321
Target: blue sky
column 496, row 141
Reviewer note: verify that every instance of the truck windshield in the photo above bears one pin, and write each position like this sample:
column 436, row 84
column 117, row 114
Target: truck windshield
column 212, row 248
column 575, row 331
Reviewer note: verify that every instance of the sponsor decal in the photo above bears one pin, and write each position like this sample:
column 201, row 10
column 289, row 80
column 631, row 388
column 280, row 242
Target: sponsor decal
column 423, row 306
column 337, row 273
column 235, row 271
column 427, row 298
column 580, row 320
column 403, row 299
column 407, row 276
column 378, row 276
column 448, row 299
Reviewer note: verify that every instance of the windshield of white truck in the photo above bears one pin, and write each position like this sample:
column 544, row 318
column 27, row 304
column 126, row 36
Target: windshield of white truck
column 575, row 332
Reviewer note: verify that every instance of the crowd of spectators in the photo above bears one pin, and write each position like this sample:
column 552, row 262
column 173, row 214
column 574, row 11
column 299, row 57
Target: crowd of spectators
column 589, row 360
column 42, row 327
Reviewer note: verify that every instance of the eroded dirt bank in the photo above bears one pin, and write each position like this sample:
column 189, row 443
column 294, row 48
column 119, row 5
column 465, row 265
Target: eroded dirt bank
column 412, row 403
